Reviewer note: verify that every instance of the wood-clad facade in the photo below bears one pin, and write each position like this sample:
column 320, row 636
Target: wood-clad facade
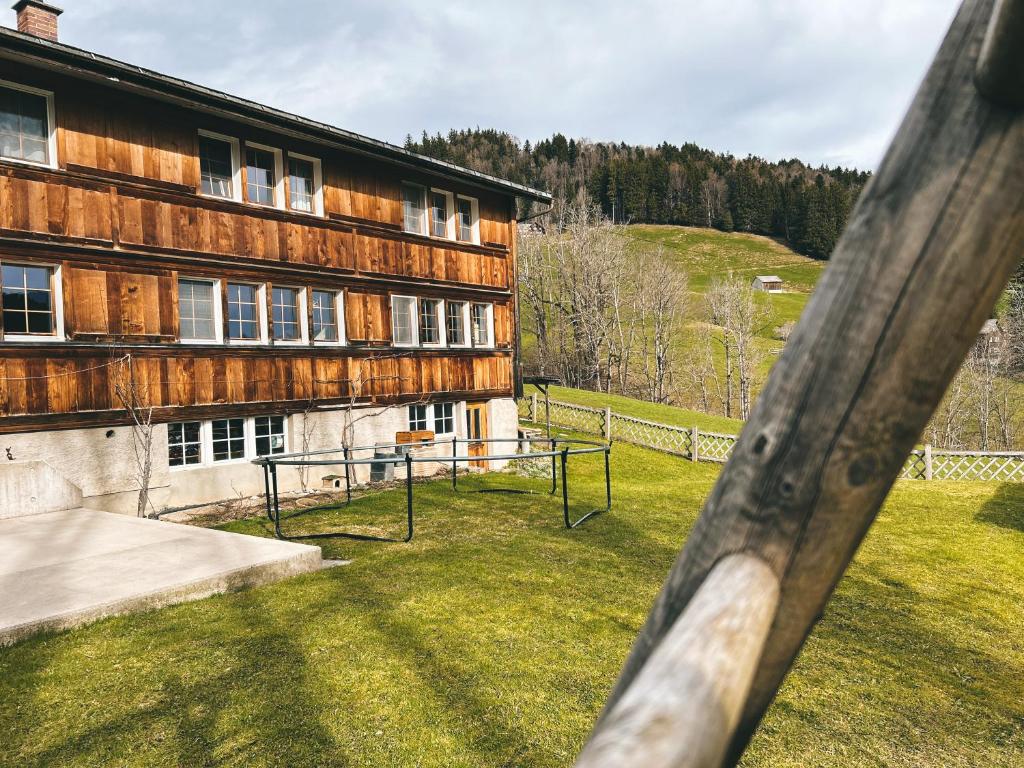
column 120, row 216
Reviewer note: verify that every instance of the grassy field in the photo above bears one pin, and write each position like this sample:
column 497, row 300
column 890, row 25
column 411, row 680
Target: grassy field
column 493, row 638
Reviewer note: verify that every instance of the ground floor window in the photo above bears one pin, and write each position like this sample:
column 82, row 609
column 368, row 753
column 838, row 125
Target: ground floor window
column 269, row 435
column 439, row 416
column 185, row 443
column 418, row 418
column 207, row 443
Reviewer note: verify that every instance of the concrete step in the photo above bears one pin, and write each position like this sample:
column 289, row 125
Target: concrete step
column 67, row 568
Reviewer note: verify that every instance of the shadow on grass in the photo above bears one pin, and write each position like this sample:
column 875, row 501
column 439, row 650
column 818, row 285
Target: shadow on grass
column 1005, row 509
column 256, row 707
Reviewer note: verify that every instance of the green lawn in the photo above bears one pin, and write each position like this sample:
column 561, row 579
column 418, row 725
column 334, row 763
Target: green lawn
column 493, row 638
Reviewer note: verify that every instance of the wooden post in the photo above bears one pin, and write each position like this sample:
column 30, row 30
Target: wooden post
column 927, row 461
column 697, row 680
column 932, row 242
column 533, row 408
column 608, row 424
column 1000, row 71
column 694, row 437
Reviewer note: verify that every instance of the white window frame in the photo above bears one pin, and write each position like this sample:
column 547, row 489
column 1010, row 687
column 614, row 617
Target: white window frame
column 218, row 312
column 339, row 317
column 318, row 186
column 250, row 447
column 204, row 453
column 441, row 320
column 261, row 315
column 302, row 309
column 475, row 215
column 490, row 325
column 51, row 125
column 424, row 230
column 455, row 418
column 236, row 166
column 467, row 337
column 450, row 219
column 58, row 334
column 206, row 442
column 428, row 416
column 415, row 321
column 279, row 201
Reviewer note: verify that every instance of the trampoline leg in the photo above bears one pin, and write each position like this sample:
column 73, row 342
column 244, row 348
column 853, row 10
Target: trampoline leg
column 277, row 504
column 554, row 477
column 608, row 478
column 266, row 492
column 408, row 492
column 565, row 488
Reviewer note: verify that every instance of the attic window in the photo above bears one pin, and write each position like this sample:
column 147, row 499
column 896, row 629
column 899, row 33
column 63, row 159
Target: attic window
column 26, row 124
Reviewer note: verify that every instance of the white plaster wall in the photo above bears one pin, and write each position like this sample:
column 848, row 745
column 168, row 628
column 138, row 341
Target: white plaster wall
column 104, row 467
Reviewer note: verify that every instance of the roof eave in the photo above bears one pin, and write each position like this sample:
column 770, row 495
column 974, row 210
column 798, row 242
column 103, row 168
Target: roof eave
column 81, row 63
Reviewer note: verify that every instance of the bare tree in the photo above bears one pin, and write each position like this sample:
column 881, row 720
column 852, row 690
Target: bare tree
column 134, row 398
column 661, row 300
column 734, row 308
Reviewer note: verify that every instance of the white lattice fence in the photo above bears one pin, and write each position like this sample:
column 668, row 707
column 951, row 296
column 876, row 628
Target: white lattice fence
column 662, row 437
column 713, row 446
column 925, row 464
column 969, row 465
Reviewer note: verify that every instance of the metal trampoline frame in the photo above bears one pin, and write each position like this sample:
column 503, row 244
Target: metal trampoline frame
column 561, row 448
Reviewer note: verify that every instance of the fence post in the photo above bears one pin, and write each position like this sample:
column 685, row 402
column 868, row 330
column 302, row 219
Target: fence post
column 533, row 407
column 927, row 461
column 694, row 435
column 608, row 424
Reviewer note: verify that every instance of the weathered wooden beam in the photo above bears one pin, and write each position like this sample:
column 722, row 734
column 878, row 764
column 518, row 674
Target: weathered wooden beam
column 929, row 247
column 696, row 681
column 1000, row 71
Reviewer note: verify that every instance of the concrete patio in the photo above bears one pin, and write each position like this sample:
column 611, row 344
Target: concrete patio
column 63, row 569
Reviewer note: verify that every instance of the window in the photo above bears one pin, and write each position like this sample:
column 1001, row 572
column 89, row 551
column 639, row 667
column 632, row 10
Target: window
column 468, row 220
column 481, row 325
column 184, row 444
column 413, row 209
column 26, row 125
column 326, row 316
column 440, row 213
column 263, row 175
column 199, row 318
column 417, row 418
column 269, row 432
column 31, row 301
column 286, row 314
column 430, row 321
column 227, row 439
column 403, row 321
column 244, row 315
column 455, row 323
column 444, row 418
column 218, row 166
column 305, row 184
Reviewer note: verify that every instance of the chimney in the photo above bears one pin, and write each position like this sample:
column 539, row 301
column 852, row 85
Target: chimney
column 39, row 19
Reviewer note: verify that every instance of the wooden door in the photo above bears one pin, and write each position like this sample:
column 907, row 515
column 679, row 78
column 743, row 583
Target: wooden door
column 476, row 429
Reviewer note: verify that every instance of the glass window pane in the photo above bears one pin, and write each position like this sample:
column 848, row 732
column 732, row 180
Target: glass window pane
column 260, row 176
column 24, row 126
column 301, row 184
column 325, row 324
column 216, row 167
column 412, row 208
column 15, row 322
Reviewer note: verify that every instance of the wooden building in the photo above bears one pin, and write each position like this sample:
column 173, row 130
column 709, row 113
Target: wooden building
column 767, row 283
column 249, row 275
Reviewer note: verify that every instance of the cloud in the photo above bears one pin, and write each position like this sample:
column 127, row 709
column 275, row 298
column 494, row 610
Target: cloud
column 823, row 80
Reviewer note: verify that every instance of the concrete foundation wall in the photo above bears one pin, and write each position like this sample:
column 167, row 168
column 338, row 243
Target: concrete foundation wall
column 101, row 462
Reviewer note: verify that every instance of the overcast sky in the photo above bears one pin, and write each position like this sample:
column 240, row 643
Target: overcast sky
column 823, row 80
